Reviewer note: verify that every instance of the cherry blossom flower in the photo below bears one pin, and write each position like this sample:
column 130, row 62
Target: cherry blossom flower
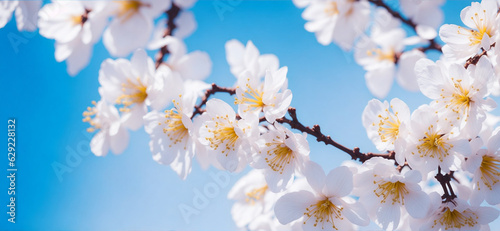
column 269, row 96
column 76, row 26
column 248, row 58
column 26, row 13
column 253, row 198
column 327, row 207
column 482, row 22
column 111, row 134
column 387, row 194
column 377, row 54
column 132, row 24
column 385, row 124
column 457, row 215
column 485, row 165
column 432, row 143
column 129, row 84
column 338, row 21
column 226, row 138
column 459, row 93
column 172, row 135
column 281, row 155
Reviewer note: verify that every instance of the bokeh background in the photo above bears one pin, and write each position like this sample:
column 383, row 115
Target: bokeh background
column 131, row 191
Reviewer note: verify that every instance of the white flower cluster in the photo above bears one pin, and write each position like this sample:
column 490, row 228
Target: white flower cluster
column 440, row 165
column 77, row 25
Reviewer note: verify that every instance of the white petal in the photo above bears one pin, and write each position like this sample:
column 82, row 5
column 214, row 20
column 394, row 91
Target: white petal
column 292, row 206
column 417, row 204
column 339, row 182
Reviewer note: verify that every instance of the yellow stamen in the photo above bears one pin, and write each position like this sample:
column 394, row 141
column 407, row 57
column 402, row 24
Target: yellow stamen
column 256, row 194
column 279, row 155
column 133, row 92
column 455, row 219
column 433, row 145
column 324, row 211
column 490, row 171
column 175, row 130
column 331, row 9
column 87, row 117
column 128, row 9
column 223, row 133
column 252, row 98
column 388, row 127
column 381, row 55
column 395, row 191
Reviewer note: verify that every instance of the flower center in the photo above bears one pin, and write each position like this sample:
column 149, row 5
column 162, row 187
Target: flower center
column 256, row 194
column 460, row 101
column 324, row 211
column 396, row 191
column 278, row 156
column 223, row 134
column 381, row 55
column 482, row 28
column 455, row 219
column 133, row 92
column 87, row 117
column 490, row 171
column 175, row 130
column 252, row 98
column 388, row 129
column 433, row 145
column 127, row 9
column 331, row 9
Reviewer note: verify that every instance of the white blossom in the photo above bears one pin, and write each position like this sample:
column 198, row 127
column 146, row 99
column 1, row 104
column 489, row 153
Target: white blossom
column 482, row 22
column 226, row 138
column 338, row 21
column 248, row 58
column 387, row 194
column 387, row 125
column 253, row 198
column 129, row 84
column 327, row 207
column 457, row 215
column 485, row 165
column 432, row 143
column 111, row 134
column 172, row 135
column 282, row 154
column 76, row 26
column 269, row 96
column 458, row 93
column 26, row 13
column 132, row 24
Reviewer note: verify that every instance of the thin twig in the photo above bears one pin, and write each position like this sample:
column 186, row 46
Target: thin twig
column 172, row 13
column 473, row 60
column 320, row 137
column 198, row 108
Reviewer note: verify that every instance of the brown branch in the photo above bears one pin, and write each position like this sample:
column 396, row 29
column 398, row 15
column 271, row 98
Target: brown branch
column 172, row 13
column 474, row 59
column 320, row 137
column 198, row 108
column 433, row 43
column 445, row 181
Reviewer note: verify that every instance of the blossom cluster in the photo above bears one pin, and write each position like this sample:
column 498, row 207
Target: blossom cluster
column 439, row 167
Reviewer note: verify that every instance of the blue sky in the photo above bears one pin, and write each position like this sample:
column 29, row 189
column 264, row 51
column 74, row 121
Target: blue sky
column 131, row 191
